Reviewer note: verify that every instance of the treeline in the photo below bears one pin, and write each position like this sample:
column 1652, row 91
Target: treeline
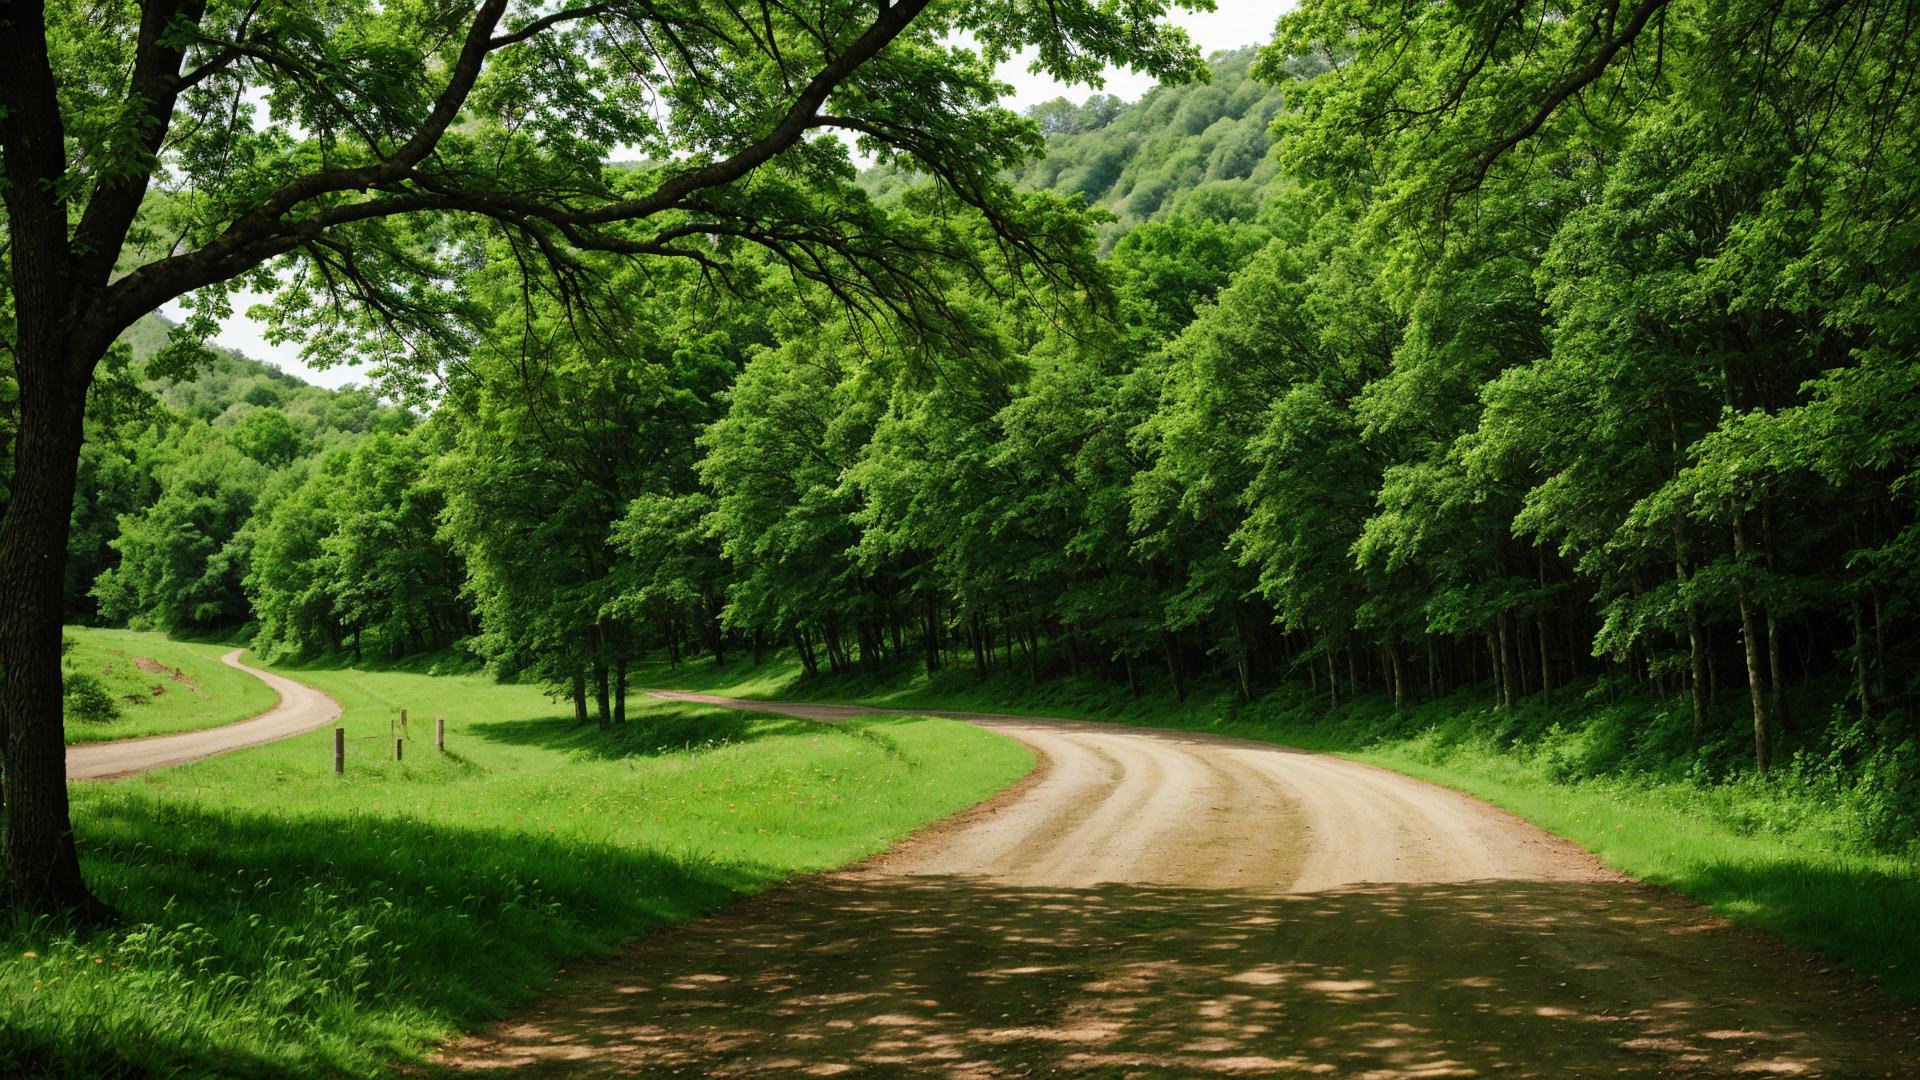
column 175, row 471
column 1476, row 392
column 1543, row 349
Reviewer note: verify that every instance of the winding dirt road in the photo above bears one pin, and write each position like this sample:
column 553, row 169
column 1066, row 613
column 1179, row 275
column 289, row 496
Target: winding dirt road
column 301, row 708
column 1158, row 903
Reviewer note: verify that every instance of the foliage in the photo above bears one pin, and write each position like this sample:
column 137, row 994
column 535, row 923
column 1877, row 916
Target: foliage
column 87, row 699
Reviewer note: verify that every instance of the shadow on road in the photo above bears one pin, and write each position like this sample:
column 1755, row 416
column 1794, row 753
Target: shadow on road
column 884, row 975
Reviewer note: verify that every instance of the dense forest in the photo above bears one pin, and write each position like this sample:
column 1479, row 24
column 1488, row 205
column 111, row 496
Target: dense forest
column 1392, row 359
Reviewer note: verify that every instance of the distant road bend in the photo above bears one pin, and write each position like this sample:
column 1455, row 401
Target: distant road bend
column 1159, row 903
column 301, row 708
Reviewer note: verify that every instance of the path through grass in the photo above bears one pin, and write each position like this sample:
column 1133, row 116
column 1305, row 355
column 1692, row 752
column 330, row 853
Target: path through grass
column 159, row 685
column 1796, row 858
column 287, row 922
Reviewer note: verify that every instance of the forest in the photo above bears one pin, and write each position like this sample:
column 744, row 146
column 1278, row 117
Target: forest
column 1321, row 392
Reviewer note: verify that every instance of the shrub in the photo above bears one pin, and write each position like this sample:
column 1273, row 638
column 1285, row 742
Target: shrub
column 88, row 700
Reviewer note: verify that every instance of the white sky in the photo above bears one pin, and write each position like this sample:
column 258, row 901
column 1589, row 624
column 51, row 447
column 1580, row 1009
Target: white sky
column 1237, row 23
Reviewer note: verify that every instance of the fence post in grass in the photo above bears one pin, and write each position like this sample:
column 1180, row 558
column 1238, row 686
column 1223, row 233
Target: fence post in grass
column 399, row 745
column 440, row 733
column 403, row 722
column 339, row 750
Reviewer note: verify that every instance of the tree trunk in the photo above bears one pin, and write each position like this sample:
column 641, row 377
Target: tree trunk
column 579, row 698
column 1776, row 670
column 1697, row 677
column 931, row 636
column 1399, row 674
column 1353, row 664
column 1173, row 667
column 1546, row 659
column 1333, row 680
column 979, row 645
column 1241, row 666
column 1509, row 694
column 601, row 696
column 1499, row 673
column 620, row 691
column 1860, row 657
column 42, row 866
column 808, row 662
column 1133, row 681
column 1756, row 676
column 1434, row 689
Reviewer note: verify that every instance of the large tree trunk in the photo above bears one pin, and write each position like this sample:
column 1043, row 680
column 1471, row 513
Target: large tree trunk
column 620, row 690
column 579, row 698
column 41, row 863
column 601, row 697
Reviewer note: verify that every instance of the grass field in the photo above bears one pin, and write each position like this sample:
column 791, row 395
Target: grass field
column 283, row 921
column 1808, row 855
column 159, row 685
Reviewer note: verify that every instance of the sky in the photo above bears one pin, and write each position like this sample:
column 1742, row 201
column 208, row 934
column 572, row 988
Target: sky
column 1237, row 23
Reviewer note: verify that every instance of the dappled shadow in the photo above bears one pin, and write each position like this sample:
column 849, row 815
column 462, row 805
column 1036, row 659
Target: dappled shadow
column 258, row 945
column 647, row 733
column 882, row 974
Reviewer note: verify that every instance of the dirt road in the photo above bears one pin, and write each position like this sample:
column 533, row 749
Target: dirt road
column 301, row 708
column 1156, row 903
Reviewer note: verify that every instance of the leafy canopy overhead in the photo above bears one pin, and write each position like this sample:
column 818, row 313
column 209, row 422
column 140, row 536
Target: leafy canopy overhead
column 355, row 153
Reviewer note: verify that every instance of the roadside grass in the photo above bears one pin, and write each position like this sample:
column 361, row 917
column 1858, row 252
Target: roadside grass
column 1818, row 856
column 282, row 921
column 159, row 685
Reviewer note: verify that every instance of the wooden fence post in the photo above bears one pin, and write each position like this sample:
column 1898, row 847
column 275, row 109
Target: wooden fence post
column 440, row 733
column 399, row 745
column 403, row 722
column 339, row 750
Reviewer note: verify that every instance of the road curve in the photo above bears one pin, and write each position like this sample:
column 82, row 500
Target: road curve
column 1163, row 903
column 301, row 708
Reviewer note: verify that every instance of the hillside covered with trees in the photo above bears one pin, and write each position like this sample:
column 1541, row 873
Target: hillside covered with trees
column 1330, row 393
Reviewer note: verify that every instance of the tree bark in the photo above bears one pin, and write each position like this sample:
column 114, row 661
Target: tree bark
column 1399, row 674
column 1173, row 667
column 1434, row 689
column 1776, row 669
column 41, row 863
column 579, row 698
column 1756, row 675
column 1546, row 658
column 1509, row 674
column 620, row 691
column 601, row 697
column 930, row 635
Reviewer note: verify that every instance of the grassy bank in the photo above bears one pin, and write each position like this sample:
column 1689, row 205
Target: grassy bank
column 156, row 685
column 1822, row 854
column 285, row 921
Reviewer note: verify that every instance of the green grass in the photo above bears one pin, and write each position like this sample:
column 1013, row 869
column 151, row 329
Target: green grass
column 160, row 685
column 1822, row 857
column 284, row 921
